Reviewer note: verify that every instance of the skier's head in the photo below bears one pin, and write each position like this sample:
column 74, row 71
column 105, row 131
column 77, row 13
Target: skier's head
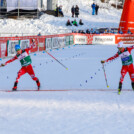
column 17, row 47
column 120, row 45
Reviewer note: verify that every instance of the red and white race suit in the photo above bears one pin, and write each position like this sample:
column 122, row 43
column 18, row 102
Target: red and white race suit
column 25, row 61
column 127, row 62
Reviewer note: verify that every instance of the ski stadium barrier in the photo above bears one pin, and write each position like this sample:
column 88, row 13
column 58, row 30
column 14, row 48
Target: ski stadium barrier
column 49, row 42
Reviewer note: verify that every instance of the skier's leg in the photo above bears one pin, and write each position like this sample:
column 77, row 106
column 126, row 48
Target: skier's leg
column 30, row 71
column 20, row 73
column 123, row 73
column 131, row 74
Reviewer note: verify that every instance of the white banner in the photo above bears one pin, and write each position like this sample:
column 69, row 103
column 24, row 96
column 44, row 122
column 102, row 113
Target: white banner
column 3, row 49
column 62, row 41
column 11, row 47
column 22, row 4
column 55, row 42
column 48, row 43
column 104, row 40
column 80, row 39
column 24, row 44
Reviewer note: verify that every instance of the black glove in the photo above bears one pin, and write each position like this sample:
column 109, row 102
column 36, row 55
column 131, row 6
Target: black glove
column 2, row 65
column 102, row 61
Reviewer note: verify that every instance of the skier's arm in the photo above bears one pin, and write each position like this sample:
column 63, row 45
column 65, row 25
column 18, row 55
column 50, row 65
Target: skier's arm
column 9, row 61
column 111, row 58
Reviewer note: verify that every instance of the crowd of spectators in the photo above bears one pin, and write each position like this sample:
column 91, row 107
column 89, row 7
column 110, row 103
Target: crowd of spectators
column 101, row 31
column 74, row 22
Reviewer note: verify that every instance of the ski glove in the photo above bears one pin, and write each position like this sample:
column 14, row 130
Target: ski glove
column 102, row 61
column 2, row 65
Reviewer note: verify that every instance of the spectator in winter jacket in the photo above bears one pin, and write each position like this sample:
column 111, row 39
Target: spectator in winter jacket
column 68, row 23
column 76, row 11
column 129, row 32
column 80, row 22
column 56, row 11
column 120, row 31
column 93, row 8
column 60, row 11
column 87, row 31
column 96, row 9
column 72, row 11
column 75, row 23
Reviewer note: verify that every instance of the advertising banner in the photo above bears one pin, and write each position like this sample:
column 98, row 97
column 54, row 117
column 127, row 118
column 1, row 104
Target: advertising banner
column 109, row 40
column 61, row 41
column 126, row 38
column 11, row 47
column 48, row 43
column 80, row 39
column 3, row 49
column 55, row 42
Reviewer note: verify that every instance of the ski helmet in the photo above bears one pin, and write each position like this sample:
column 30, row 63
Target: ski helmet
column 17, row 47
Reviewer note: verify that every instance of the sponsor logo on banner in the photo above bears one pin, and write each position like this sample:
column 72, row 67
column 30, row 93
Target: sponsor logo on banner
column 71, row 40
column 24, row 44
column 61, row 41
column 103, row 40
column 3, row 50
column 48, row 43
column 55, row 42
column 80, row 39
column 11, row 47
column 127, row 38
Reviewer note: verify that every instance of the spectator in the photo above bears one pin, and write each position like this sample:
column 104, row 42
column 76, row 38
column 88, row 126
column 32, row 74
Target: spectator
column 39, row 34
column 73, row 11
column 82, row 31
column 120, row 31
column 56, row 11
column 68, row 23
column 80, row 22
column 91, row 31
column 76, row 11
column 93, row 8
column 75, row 23
column 60, row 11
column 87, row 31
column 129, row 32
column 96, row 9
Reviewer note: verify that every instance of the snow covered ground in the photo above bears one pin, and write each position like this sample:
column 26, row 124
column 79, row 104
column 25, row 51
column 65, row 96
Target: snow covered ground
column 68, row 112
column 47, row 24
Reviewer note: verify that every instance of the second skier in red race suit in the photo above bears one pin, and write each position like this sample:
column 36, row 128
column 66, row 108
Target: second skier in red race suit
column 127, row 63
column 25, row 60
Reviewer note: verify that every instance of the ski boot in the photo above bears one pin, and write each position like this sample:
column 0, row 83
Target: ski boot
column 119, row 88
column 15, row 86
column 132, row 85
column 38, row 84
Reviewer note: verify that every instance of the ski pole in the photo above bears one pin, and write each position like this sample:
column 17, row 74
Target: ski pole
column 56, row 60
column 105, row 75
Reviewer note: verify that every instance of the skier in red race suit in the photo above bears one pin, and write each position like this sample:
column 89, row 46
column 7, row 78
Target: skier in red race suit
column 25, row 60
column 127, row 63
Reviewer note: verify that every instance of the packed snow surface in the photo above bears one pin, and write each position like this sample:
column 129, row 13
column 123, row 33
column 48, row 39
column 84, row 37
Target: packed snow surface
column 85, row 108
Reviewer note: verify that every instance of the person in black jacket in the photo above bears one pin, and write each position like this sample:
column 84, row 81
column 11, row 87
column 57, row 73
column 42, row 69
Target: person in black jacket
column 96, row 9
column 72, row 11
column 68, row 23
column 76, row 11
column 80, row 22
